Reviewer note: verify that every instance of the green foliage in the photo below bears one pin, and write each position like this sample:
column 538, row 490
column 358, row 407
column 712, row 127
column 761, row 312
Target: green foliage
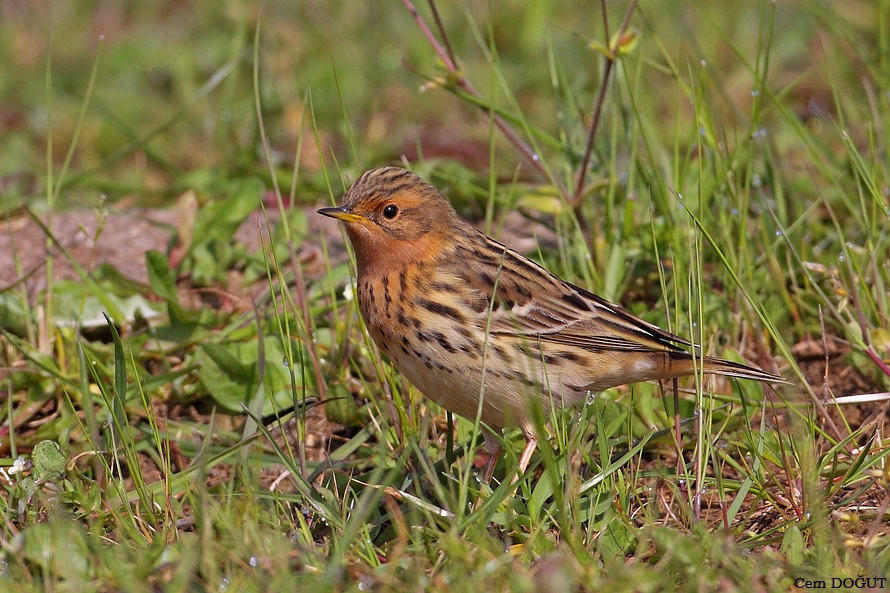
column 228, row 425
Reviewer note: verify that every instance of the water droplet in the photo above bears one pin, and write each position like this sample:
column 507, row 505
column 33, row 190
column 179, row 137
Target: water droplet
column 253, row 561
column 755, row 92
column 757, row 180
column 842, row 257
column 779, row 233
column 285, row 362
column 536, row 158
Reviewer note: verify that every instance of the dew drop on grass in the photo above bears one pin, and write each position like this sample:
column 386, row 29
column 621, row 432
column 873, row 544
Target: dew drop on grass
column 755, row 92
column 842, row 257
column 253, row 561
column 224, row 584
column 536, row 158
column 757, row 180
column 778, row 233
column 285, row 362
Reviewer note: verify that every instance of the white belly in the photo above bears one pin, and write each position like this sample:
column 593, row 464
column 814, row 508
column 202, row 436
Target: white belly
column 499, row 398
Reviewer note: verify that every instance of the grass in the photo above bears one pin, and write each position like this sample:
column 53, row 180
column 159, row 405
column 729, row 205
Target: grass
column 223, row 421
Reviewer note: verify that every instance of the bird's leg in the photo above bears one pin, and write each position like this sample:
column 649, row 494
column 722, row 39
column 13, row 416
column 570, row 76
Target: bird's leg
column 493, row 448
column 531, row 441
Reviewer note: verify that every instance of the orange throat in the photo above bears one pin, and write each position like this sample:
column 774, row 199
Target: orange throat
column 378, row 254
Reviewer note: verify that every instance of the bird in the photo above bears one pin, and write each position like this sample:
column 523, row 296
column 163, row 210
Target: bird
column 484, row 331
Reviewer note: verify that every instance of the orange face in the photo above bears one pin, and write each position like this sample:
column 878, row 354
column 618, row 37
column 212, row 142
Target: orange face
column 395, row 224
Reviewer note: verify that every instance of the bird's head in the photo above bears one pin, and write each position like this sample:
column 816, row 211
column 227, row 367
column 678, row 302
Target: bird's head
column 393, row 217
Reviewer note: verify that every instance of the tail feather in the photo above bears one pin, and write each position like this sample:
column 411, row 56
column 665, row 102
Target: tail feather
column 684, row 364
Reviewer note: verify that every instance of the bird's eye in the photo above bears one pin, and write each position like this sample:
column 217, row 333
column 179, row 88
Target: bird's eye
column 390, row 211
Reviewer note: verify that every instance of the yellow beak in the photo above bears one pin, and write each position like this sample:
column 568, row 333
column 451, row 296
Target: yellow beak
column 341, row 214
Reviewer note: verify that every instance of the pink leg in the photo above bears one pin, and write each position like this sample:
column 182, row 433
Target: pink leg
column 531, row 442
column 493, row 448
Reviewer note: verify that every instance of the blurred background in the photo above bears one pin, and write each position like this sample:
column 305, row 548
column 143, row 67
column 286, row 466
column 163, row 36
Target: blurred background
column 173, row 107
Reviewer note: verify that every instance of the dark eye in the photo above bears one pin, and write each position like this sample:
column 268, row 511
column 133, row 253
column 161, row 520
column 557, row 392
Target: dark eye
column 390, row 211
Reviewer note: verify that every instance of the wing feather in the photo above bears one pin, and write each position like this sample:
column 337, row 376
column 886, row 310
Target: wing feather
column 523, row 299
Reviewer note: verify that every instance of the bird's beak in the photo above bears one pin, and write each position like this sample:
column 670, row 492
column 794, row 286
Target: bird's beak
column 341, row 214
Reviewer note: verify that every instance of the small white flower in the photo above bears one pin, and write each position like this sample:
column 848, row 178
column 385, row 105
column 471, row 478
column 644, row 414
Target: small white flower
column 18, row 466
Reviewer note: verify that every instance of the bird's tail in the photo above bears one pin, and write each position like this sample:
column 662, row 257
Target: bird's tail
column 683, row 364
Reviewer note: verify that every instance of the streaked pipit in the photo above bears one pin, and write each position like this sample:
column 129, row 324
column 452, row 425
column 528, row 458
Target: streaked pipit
column 463, row 317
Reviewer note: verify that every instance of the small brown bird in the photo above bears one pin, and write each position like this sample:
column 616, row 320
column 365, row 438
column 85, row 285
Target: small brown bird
column 482, row 330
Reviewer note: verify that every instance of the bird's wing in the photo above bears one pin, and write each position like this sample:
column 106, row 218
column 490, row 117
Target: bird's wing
column 516, row 296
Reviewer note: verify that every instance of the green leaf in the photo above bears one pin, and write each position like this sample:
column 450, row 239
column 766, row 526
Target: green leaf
column 224, row 357
column 161, row 277
column 615, row 540
column 220, row 220
column 76, row 305
column 793, row 546
column 14, row 315
column 49, row 461
column 230, row 374
column 541, row 201
column 119, row 399
column 59, row 547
